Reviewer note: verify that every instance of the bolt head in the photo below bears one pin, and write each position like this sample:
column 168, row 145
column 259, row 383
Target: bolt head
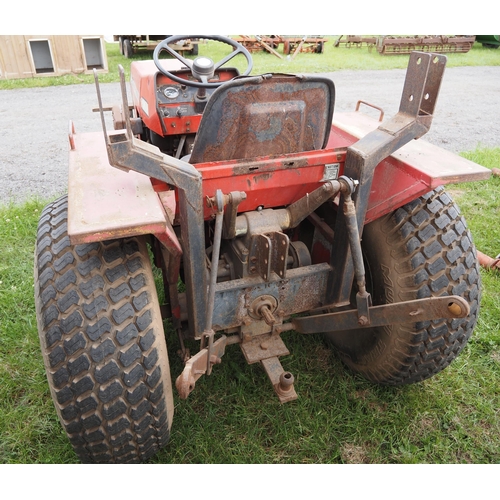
column 363, row 320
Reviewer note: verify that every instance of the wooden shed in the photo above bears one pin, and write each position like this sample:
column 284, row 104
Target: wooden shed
column 25, row 56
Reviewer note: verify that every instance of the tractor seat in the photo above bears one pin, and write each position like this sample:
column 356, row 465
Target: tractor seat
column 265, row 116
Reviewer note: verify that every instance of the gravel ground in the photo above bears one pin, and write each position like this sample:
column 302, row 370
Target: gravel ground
column 34, row 122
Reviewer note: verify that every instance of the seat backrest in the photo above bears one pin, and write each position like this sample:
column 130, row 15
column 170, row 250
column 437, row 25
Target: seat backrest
column 264, row 116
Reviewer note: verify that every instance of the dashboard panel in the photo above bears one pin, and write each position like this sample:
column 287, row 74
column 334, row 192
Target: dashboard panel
column 176, row 100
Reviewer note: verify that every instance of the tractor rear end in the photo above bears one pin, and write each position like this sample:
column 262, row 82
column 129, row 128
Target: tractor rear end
column 263, row 216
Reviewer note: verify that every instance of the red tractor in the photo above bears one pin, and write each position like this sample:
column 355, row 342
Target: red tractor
column 251, row 202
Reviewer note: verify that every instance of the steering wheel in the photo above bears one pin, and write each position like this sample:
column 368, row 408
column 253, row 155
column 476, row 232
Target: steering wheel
column 202, row 68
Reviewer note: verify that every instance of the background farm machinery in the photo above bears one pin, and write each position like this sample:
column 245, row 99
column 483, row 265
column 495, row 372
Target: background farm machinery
column 395, row 44
column 130, row 44
column 292, row 45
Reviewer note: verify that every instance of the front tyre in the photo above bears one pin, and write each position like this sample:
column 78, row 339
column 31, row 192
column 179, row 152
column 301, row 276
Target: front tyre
column 103, row 342
column 423, row 249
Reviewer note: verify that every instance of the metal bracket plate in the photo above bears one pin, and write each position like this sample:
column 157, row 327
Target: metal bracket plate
column 263, row 347
column 269, row 252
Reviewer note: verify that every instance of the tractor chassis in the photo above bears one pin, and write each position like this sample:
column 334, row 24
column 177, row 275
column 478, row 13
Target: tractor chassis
column 253, row 311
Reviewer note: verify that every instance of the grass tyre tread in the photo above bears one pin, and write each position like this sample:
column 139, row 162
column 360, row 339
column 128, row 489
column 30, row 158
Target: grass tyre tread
column 423, row 249
column 103, row 343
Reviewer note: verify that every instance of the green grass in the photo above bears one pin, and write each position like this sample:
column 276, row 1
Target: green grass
column 233, row 415
column 333, row 59
column 28, row 423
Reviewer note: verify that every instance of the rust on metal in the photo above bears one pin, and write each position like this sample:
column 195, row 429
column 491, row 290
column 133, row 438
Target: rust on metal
column 414, row 118
column 411, row 311
column 261, row 137
column 303, row 289
column 263, row 116
column 427, row 43
column 391, row 44
column 306, row 44
column 71, row 135
column 268, row 47
column 269, row 253
column 234, row 200
column 262, row 347
column 416, row 167
column 282, row 381
column 262, row 307
column 291, row 44
column 355, row 41
column 285, row 384
column 197, row 366
column 301, row 173
column 128, row 153
column 378, row 108
column 105, row 202
column 256, row 43
column 488, row 262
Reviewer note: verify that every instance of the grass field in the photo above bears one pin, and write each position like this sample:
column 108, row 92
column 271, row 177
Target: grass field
column 234, row 417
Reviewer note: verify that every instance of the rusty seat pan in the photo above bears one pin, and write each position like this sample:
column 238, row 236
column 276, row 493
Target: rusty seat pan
column 264, row 116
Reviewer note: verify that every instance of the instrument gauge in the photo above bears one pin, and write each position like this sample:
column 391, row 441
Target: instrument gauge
column 170, row 92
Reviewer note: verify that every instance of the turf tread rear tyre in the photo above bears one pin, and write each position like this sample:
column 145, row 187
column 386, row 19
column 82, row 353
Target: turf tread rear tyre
column 103, row 343
column 423, row 249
